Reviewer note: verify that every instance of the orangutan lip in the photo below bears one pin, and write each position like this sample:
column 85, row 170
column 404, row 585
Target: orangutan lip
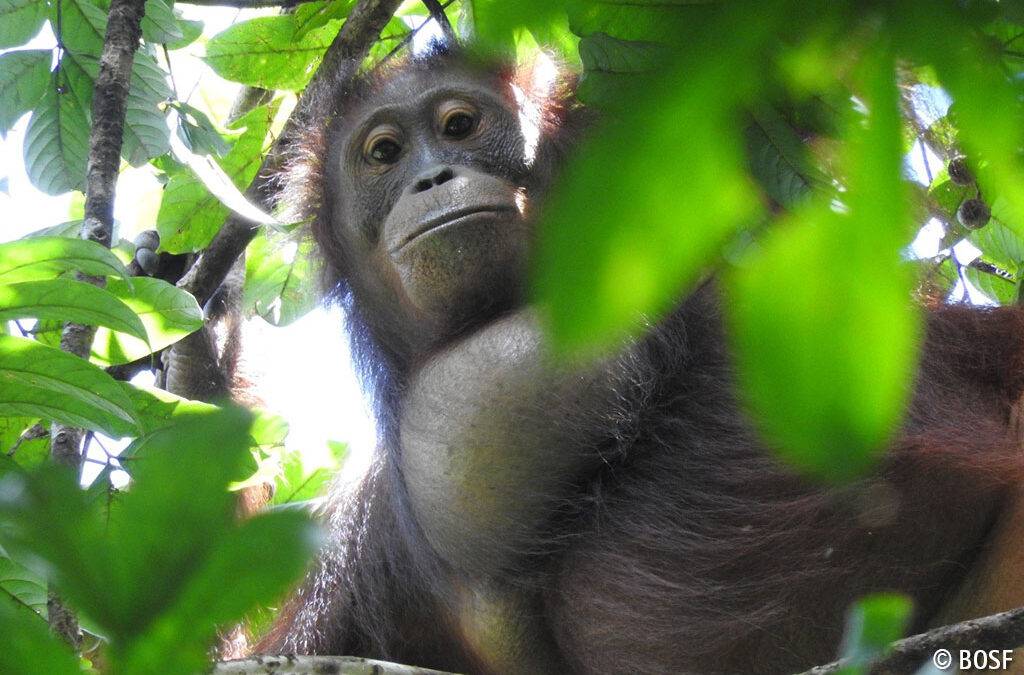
column 452, row 218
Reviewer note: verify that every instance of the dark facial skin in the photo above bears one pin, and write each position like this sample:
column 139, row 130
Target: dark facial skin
column 429, row 176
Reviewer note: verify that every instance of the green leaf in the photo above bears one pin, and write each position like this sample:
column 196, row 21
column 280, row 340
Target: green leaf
column 280, row 282
column 607, row 263
column 20, row 20
column 610, row 66
column 25, row 442
column 24, row 78
column 996, row 287
column 69, row 228
column 83, row 25
column 159, row 23
column 190, row 32
column 158, row 409
column 265, row 52
column 40, row 381
column 1000, row 246
column 824, row 329
column 68, row 300
column 778, row 159
column 948, row 195
column 47, row 257
column 312, row 15
column 29, row 647
column 167, row 312
column 189, row 214
column 665, row 22
column 873, row 624
column 197, row 132
column 57, row 143
column 251, row 565
column 22, row 584
column 304, row 477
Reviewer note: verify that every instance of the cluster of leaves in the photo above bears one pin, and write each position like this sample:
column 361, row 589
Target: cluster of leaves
column 57, row 88
column 102, row 555
column 104, row 551
column 721, row 118
column 153, row 571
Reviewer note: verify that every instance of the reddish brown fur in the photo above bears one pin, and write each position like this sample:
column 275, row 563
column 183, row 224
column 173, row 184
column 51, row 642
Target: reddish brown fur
column 692, row 549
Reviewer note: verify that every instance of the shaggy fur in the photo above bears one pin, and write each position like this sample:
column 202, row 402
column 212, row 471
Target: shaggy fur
column 690, row 549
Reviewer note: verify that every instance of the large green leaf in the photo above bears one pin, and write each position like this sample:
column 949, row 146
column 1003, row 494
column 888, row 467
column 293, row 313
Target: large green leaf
column 312, row 15
column 167, row 312
column 145, row 129
column 778, row 159
column 83, row 25
column 190, row 32
column 57, row 143
column 608, row 258
column 24, row 77
column 41, row 381
column 157, row 409
column 250, row 565
column 68, row 300
column 46, row 257
column 22, row 584
column 159, row 23
column 824, row 328
column 264, row 52
column 610, row 67
column 20, row 20
column 29, row 646
column 190, row 215
column 665, row 22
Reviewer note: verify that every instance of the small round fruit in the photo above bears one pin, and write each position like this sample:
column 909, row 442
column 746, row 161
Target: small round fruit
column 973, row 214
column 148, row 260
column 959, row 172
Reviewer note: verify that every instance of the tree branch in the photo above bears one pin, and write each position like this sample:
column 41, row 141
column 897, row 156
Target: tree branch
column 998, row 631
column 291, row 664
column 108, row 109
column 344, row 57
column 438, row 15
column 244, row 4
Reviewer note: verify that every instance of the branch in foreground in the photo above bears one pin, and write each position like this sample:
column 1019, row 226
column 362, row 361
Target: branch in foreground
column 244, row 4
column 343, row 57
column 108, row 110
column 289, row 664
column 998, row 631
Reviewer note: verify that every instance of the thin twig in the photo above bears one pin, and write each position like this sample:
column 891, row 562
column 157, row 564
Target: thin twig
column 244, row 4
column 998, row 631
column 438, row 15
column 408, row 38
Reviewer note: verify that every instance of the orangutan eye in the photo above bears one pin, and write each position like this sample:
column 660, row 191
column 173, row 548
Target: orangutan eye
column 458, row 121
column 383, row 146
